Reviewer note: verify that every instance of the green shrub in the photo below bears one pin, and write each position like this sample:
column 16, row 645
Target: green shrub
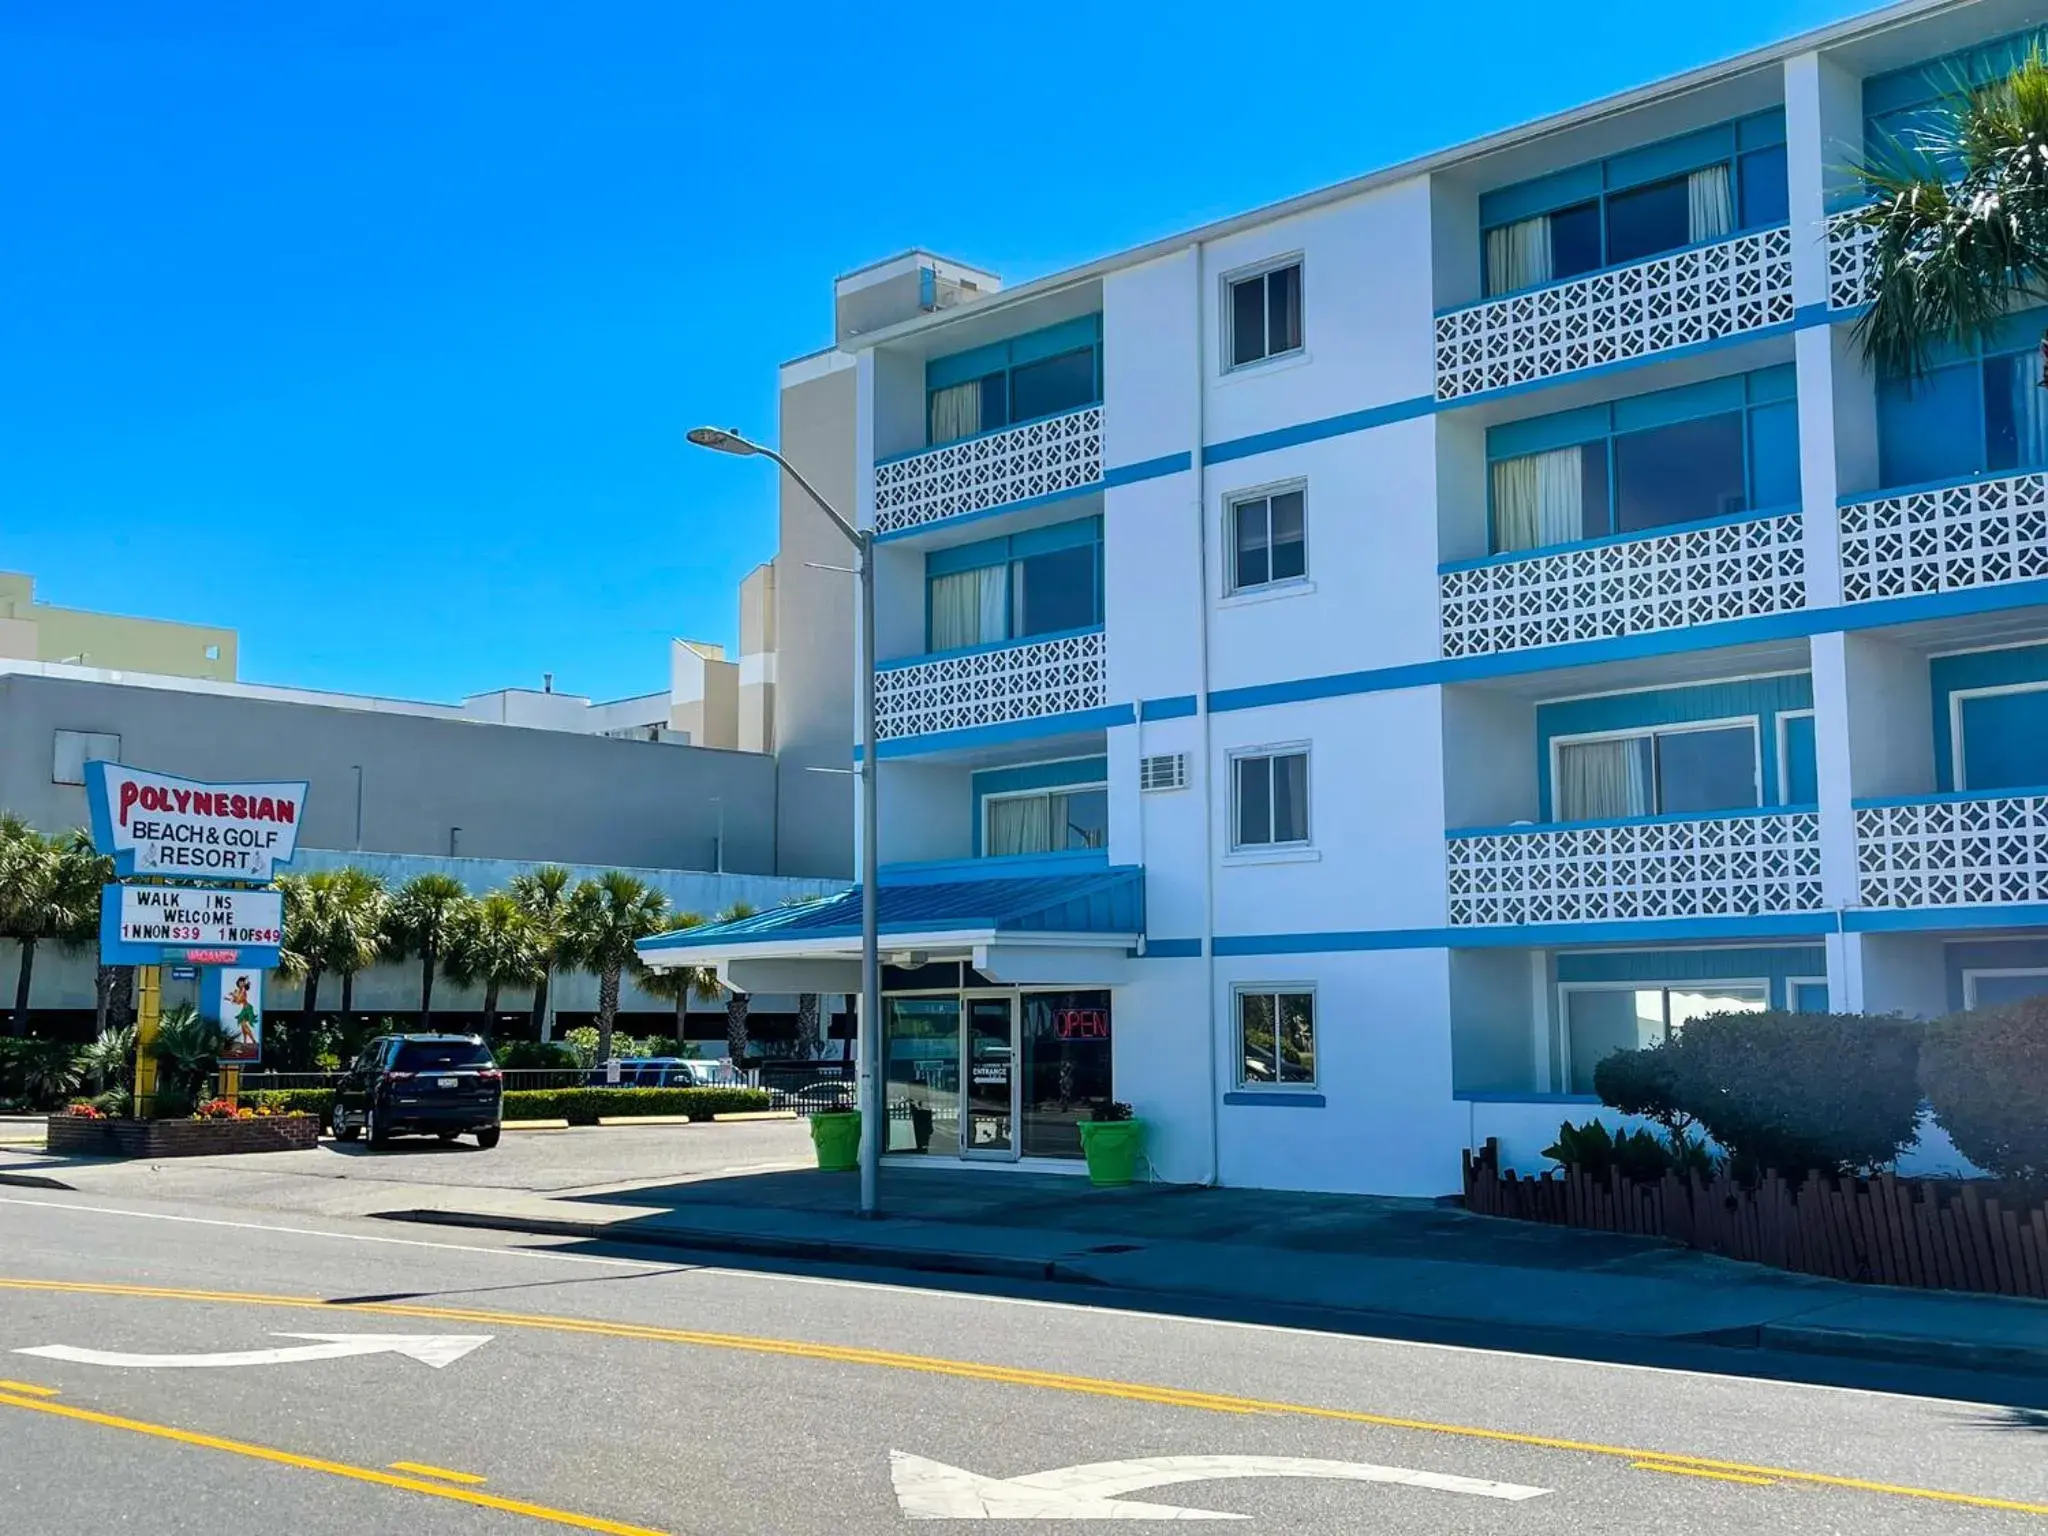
column 1799, row 1092
column 311, row 1101
column 1595, row 1150
column 583, row 1106
column 526, row 1055
column 1644, row 1083
column 1986, row 1074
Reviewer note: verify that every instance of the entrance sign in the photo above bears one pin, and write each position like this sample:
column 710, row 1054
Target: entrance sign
column 158, row 824
column 239, row 1009
column 149, row 924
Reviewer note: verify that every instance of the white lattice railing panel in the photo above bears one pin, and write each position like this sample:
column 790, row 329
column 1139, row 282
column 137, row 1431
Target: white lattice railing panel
column 1953, row 853
column 1952, row 537
column 1039, row 458
column 1664, row 581
column 1016, row 682
column 1848, row 262
column 1698, row 294
column 1718, row 866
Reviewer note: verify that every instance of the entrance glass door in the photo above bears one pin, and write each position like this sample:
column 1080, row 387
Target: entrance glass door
column 988, row 1077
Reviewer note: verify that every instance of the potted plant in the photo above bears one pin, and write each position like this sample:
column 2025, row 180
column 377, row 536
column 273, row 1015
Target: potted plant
column 1111, row 1139
column 835, row 1132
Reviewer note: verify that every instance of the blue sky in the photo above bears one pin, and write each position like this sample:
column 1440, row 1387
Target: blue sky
column 372, row 328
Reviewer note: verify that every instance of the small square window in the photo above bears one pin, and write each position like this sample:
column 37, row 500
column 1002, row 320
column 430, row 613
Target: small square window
column 213, row 653
column 1269, row 793
column 1265, row 314
column 1276, row 1037
column 74, row 749
column 1268, row 539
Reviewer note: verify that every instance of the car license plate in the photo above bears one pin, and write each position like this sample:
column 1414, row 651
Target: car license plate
column 449, row 1082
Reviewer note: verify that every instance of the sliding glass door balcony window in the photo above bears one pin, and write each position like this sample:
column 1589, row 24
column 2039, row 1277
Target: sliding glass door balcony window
column 1660, row 198
column 1045, row 373
column 1654, row 461
column 1067, row 820
column 1600, row 1020
column 1687, row 769
column 1045, row 582
column 1982, row 416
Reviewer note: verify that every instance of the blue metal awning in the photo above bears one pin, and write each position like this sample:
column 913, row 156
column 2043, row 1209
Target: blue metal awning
column 1099, row 903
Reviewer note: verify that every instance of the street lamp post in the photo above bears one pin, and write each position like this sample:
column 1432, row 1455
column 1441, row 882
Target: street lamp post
column 873, row 1109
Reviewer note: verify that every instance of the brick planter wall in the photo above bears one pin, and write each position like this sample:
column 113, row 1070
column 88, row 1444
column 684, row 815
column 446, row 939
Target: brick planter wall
column 180, row 1138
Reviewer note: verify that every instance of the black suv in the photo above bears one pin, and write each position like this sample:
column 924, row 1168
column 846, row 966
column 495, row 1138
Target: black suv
column 441, row 1085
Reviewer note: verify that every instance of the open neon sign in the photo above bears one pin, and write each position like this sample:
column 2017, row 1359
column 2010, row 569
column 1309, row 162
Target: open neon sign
column 1081, row 1023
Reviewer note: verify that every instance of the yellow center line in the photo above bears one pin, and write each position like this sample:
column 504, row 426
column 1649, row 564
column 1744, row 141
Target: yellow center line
column 1208, row 1402
column 539, row 1512
column 26, row 1388
column 421, row 1469
column 1719, row 1477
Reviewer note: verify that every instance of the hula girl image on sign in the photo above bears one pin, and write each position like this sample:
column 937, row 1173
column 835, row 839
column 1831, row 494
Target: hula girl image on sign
column 241, row 1016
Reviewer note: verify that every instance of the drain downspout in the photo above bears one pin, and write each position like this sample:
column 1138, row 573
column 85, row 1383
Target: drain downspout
column 1198, row 472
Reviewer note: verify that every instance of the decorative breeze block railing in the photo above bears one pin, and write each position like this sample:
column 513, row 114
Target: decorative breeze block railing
column 1039, row 458
column 1719, row 866
column 1694, row 295
column 1953, row 853
column 1945, row 539
column 1735, row 570
column 1848, row 262
column 1017, row 682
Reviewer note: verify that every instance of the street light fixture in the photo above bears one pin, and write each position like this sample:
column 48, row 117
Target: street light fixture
column 873, row 1116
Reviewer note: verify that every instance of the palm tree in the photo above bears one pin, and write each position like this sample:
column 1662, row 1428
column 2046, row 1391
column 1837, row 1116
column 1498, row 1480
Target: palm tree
column 736, row 1002
column 491, row 944
column 682, row 982
column 606, row 920
column 303, row 954
column 93, row 871
column 355, row 929
column 543, row 895
column 1958, row 221
column 810, row 1044
column 419, row 923
column 49, row 893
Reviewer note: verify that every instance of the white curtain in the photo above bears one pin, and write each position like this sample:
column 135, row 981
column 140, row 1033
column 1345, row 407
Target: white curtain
column 1539, row 499
column 1603, row 780
column 1710, row 206
column 2029, row 414
column 956, row 411
column 968, row 608
column 1022, row 824
column 1518, row 255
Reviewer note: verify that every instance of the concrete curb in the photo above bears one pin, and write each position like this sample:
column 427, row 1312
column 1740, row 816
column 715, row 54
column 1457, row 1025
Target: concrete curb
column 35, row 1181
column 1901, row 1349
column 533, row 1125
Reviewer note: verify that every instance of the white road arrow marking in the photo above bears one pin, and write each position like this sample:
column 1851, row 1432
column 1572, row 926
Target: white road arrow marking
column 931, row 1490
column 435, row 1349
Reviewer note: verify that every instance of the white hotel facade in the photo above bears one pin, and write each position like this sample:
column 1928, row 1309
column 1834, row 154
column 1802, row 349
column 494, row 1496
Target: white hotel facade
column 1347, row 669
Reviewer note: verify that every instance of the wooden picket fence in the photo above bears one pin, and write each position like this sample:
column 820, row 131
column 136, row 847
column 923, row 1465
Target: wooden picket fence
column 1935, row 1234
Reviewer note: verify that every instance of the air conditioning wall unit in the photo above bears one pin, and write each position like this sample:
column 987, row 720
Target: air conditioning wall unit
column 1166, row 770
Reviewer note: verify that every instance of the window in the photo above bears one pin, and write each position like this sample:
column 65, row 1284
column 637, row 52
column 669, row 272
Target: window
column 1045, row 582
column 439, row 1055
column 1276, row 1037
column 1600, row 1020
column 2001, row 736
column 1043, row 373
column 1270, row 795
column 1996, row 988
column 1053, row 385
column 1657, row 773
column 213, row 653
column 1062, row 820
column 1681, row 473
column 1268, row 541
column 74, row 749
column 1986, row 415
column 1265, row 314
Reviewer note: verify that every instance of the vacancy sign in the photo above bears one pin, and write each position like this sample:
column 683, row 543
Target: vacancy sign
column 150, row 924
column 156, row 824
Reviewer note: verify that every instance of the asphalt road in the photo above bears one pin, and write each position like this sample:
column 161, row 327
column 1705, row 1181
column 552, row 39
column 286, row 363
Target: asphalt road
column 626, row 1395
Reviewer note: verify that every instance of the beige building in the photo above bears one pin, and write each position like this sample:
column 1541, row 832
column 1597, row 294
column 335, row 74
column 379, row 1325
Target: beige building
column 33, row 631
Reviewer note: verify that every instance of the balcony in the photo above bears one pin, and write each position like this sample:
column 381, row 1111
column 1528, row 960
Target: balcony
column 1848, row 263
column 1023, row 463
column 991, row 685
column 1962, row 850
column 1945, row 538
column 1633, row 584
column 1700, row 293
column 1729, row 864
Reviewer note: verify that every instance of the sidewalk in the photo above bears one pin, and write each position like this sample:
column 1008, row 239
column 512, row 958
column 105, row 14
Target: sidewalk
column 1412, row 1260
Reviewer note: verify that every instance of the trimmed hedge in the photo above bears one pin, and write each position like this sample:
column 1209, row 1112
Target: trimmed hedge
column 311, row 1101
column 583, row 1106
column 1986, row 1074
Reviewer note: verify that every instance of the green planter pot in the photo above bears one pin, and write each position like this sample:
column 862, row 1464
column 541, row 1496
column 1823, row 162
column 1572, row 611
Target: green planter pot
column 836, row 1135
column 1112, row 1148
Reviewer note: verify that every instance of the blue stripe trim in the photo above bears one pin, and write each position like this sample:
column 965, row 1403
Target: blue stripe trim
column 1543, row 550
column 1175, row 708
column 1630, row 821
column 1884, row 920
column 1329, row 426
column 1277, row 1098
column 1801, row 624
column 1532, row 935
column 1465, row 1097
column 1956, row 794
column 964, row 519
column 1172, row 949
column 1148, row 469
column 1010, row 730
